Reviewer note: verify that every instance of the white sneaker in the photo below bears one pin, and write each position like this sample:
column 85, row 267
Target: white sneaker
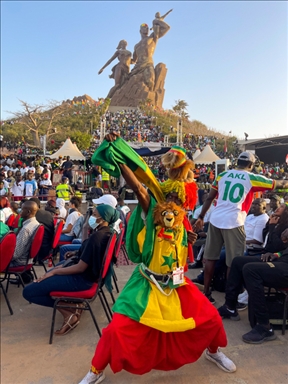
column 93, row 378
column 221, row 361
column 243, row 297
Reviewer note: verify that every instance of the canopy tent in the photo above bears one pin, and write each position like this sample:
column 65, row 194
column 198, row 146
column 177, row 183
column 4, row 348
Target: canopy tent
column 68, row 149
column 207, row 156
column 196, row 154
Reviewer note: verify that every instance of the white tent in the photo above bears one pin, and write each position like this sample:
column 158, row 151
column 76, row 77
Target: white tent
column 207, row 156
column 68, row 149
column 196, row 154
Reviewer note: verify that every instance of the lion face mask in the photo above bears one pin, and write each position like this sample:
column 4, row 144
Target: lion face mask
column 168, row 215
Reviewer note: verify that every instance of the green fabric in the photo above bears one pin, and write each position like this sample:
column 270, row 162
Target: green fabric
column 3, row 229
column 135, row 226
column 137, row 287
column 110, row 154
column 108, row 213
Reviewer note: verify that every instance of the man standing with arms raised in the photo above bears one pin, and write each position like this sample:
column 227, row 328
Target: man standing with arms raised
column 235, row 189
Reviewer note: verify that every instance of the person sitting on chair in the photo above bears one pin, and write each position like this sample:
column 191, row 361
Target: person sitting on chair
column 25, row 234
column 270, row 270
column 78, row 277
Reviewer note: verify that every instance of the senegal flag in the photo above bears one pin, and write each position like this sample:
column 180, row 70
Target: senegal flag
column 110, row 154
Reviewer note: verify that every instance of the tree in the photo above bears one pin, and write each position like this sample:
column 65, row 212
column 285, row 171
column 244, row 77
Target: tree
column 40, row 119
column 82, row 140
column 181, row 108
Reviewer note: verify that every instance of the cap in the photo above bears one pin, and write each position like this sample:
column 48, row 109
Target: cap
column 106, row 199
column 181, row 152
column 52, row 203
column 275, row 197
column 247, row 156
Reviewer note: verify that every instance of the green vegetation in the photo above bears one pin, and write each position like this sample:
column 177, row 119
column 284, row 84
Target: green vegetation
column 79, row 117
column 74, row 119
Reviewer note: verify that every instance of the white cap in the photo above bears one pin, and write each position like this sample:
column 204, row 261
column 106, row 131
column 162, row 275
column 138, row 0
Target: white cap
column 106, row 199
column 247, row 156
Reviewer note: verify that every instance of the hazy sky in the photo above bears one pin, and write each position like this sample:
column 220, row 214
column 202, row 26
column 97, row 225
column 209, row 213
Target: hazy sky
column 227, row 60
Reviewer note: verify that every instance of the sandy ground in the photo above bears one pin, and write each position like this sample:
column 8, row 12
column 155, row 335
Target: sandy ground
column 27, row 358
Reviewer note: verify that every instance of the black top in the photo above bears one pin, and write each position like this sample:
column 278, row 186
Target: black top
column 92, row 252
column 274, row 243
column 45, row 218
column 66, row 165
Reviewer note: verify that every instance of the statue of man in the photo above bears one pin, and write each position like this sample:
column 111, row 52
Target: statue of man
column 143, row 53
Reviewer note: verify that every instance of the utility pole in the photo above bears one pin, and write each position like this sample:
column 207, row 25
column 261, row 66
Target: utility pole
column 102, row 130
column 179, row 140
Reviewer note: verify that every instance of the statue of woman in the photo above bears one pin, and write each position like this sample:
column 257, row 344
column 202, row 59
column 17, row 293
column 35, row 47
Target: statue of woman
column 121, row 70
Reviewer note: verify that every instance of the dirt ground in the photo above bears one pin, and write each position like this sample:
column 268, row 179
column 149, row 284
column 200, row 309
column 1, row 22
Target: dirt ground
column 27, row 358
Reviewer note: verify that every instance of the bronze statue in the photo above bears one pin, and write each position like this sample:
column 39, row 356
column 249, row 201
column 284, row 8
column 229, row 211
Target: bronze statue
column 121, row 70
column 144, row 50
column 144, row 81
column 158, row 22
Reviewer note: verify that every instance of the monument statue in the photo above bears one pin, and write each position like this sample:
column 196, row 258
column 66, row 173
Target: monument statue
column 121, row 70
column 144, row 81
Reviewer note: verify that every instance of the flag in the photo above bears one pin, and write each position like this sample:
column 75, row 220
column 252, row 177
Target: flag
column 287, row 158
column 225, row 146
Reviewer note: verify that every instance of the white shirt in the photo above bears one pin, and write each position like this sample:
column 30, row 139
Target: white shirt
column 10, row 161
column 235, row 194
column 45, row 182
column 7, row 212
column 207, row 214
column 125, row 209
column 17, row 189
column 254, row 226
column 23, row 171
column 71, row 219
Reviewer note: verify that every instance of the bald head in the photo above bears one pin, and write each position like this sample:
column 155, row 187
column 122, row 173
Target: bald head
column 29, row 210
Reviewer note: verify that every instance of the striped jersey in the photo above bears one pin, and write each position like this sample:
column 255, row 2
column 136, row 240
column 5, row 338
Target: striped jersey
column 235, row 194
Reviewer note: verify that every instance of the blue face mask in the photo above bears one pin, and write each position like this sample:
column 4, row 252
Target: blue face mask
column 18, row 210
column 92, row 222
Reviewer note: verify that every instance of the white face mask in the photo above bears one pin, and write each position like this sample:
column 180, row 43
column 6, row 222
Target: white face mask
column 92, row 222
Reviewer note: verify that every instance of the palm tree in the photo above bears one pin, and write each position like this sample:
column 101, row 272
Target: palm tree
column 180, row 107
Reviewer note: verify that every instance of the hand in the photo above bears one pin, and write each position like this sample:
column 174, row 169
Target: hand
column 274, row 219
column 192, row 237
column 198, row 226
column 46, row 276
column 268, row 257
column 67, row 255
column 112, row 136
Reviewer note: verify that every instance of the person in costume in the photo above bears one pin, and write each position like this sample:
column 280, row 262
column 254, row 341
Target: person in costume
column 161, row 320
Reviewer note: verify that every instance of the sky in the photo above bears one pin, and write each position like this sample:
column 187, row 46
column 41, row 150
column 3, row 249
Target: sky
column 227, row 60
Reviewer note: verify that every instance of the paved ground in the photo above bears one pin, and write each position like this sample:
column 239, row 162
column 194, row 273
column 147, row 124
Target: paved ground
column 27, row 358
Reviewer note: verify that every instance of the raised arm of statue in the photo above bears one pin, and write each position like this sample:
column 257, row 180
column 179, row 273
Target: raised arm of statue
column 160, row 28
column 123, row 56
column 109, row 62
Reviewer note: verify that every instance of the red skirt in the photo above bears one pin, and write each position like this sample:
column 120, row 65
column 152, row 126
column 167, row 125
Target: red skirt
column 137, row 348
